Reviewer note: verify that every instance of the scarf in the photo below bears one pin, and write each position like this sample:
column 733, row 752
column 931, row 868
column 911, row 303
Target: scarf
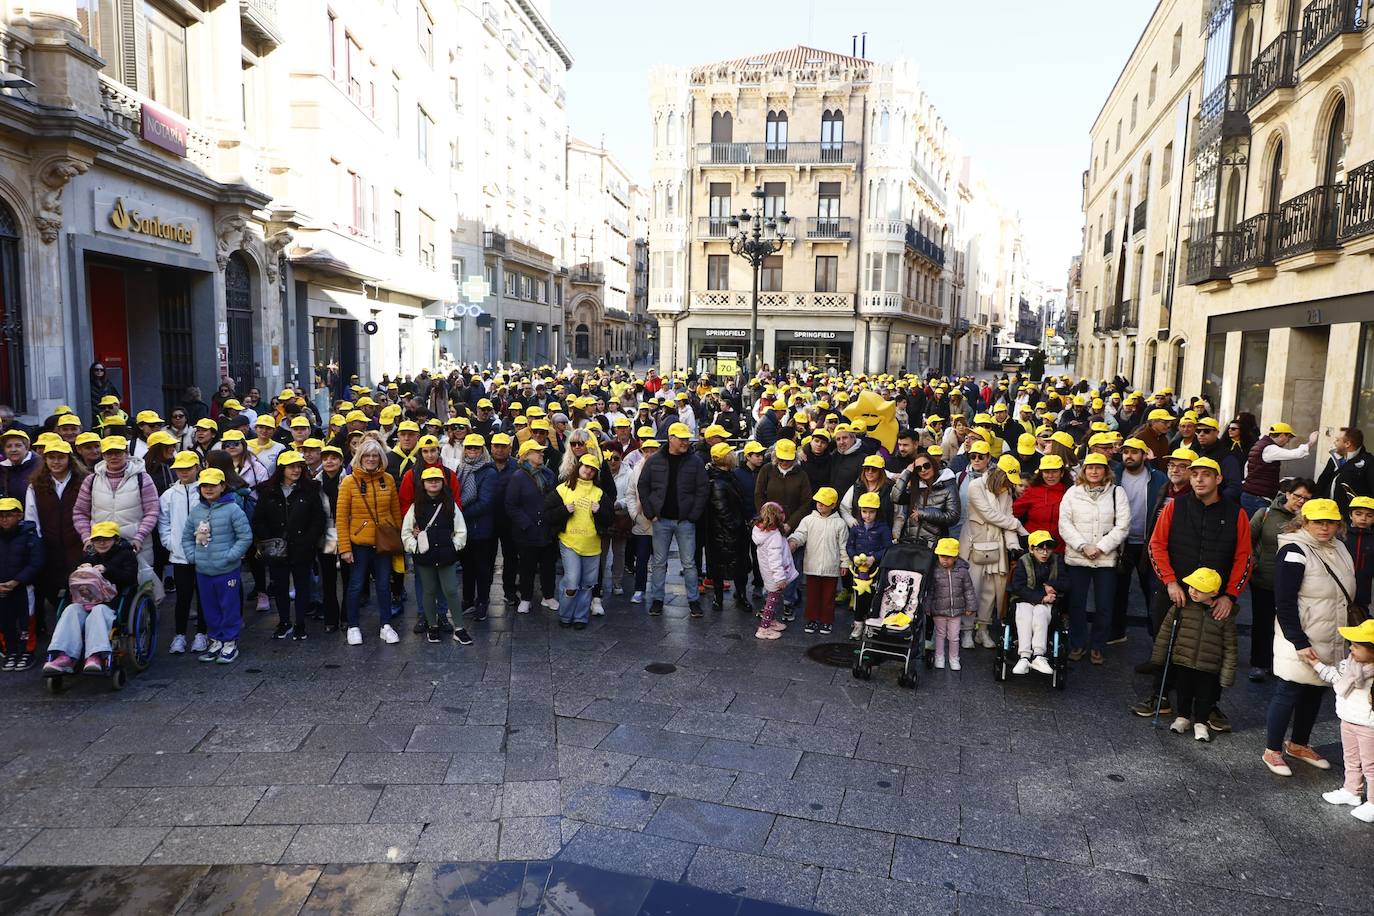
column 1353, row 676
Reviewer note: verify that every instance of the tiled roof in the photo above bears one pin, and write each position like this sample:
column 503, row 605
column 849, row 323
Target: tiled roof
column 798, row 56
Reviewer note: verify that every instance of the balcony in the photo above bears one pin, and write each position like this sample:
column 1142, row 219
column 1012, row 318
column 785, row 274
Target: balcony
column 714, row 227
column 1138, row 221
column 1221, row 115
column 491, row 19
column 259, row 19
column 1208, row 252
column 494, row 241
column 920, row 245
column 890, row 230
column 1357, row 211
column 1307, row 225
column 1330, row 34
column 584, row 273
column 829, row 228
column 1107, row 243
column 765, row 154
column 123, row 109
column 739, row 301
column 933, row 186
column 1252, row 248
column 1272, row 78
column 560, row 98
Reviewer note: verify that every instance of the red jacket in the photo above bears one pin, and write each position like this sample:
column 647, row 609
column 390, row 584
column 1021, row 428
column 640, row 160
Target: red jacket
column 1038, row 509
column 410, row 480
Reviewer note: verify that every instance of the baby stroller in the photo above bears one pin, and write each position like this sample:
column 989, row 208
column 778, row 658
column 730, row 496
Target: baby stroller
column 1058, row 641
column 900, row 589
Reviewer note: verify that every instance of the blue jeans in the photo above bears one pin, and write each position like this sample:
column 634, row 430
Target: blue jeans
column 666, row 530
column 579, row 575
column 367, row 559
column 1299, row 704
column 1101, row 581
column 1252, row 503
column 641, row 550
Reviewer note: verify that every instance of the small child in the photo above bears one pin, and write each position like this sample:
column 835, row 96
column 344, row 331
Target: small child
column 216, row 536
column 84, row 626
column 775, row 563
column 176, row 502
column 1354, row 682
column 21, row 562
column 1359, row 540
column 824, row 533
column 869, row 538
column 950, row 599
column 1037, row 581
column 1204, row 657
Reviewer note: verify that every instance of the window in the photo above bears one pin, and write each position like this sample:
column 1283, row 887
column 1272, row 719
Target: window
column 423, row 125
column 1118, row 134
column 1135, row 108
column 892, row 273
column 718, row 224
column 1213, row 365
column 358, row 195
column 166, row 60
column 827, row 273
column 424, row 33
column 1166, row 164
column 828, row 201
column 333, row 46
column 770, row 277
column 774, row 199
column 718, row 271
column 1364, row 381
column 397, row 239
column 722, row 127
column 1254, row 360
column 458, row 274
column 775, row 137
column 874, row 278
column 1177, row 56
column 1154, row 83
column 453, row 95
column 354, row 64
column 1157, row 277
column 396, row 104
column 832, row 135
column 426, row 240
column 511, row 281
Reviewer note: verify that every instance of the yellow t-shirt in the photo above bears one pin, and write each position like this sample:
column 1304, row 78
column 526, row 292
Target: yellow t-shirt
column 579, row 534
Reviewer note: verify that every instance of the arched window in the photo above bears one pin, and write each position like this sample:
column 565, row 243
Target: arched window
column 1231, row 215
column 11, row 314
column 672, row 128
column 582, row 342
column 722, row 127
column 832, row 135
column 884, row 127
column 880, row 199
column 1276, row 178
column 775, row 137
column 1333, row 171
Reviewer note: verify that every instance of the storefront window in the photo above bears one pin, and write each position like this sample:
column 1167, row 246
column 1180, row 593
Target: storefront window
column 1364, row 390
column 166, row 60
column 1254, row 357
column 1213, row 363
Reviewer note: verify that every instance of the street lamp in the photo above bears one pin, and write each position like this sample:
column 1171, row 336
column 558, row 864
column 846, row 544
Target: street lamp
column 758, row 236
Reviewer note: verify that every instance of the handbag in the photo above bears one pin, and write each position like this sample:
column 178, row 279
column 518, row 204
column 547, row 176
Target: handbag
column 272, row 548
column 985, row 553
column 388, row 537
column 1354, row 614
column 422, row 539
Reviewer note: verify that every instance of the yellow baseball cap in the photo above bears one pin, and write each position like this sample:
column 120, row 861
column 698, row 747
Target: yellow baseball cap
column 1040, row 537
column 500, row 439
column 542, row 425
column 230, row 435
column 1209, row 422
column 147, row 416
column 1204, row 580
column 870, row 501
column 1320, row 510
column 298, row 421
column 826, row 496
column 434, row 473
column 1206, row 464
column 785, row 449
column 427, row 442
column 721, row 450
column 979, row 447
column 161, row 437
column 754, row 448
column 1025, row 444
column 1362, row 502
column 530, row 446
column 10, row 504
column 185, row 460
column 935, row 451
column 485, row 402
column 715, row 429
column 591, row 461
column 210, row 476
column 1183, row 454
column 313, row 442
column 1159, row 413
column 59, row 447
column 289, row 457
column 1279, row 428
column 1137, row 444
column 266, row 420
column 69, row 419
column 1009, row 464
column 679, row 431
column 1362, row 633
column 113, row 444
column 408, row 426
column 947, row 547
column 621, row 422
column 1063, row 439
column 109, row 400
column 650, row 443
column 355, row 416
column 474, row 440
column 874, row 461
column 232, row 404
column 1095, row 458
column 88, row 439
column 1051, row 463
column 103, row 529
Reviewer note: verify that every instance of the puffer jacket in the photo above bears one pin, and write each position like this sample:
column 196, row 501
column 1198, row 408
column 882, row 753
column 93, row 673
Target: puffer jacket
column 629, row 497
column 366, row 500
column 1352, row 705
column 479, row 484
column 444, row 528
column 938, row 505
column 849, row 502
column 727, row 516
column 1310, row 603
column 1203, row 643
column 824, row 537
column 1029, row 579
column 775, row 557
column 691, row 486
column 869, row 540
column 230, row 536
column 951, row 592
column 1038, row 510
column 526, row 496
column 790, row 489
column 1265, row 528
column 14, row 478
column 1101, row 520
column 298, row 518
column 21, row 554
column 177, row 502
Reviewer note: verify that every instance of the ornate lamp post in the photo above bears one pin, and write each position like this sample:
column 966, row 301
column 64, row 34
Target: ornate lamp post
column 757, row 237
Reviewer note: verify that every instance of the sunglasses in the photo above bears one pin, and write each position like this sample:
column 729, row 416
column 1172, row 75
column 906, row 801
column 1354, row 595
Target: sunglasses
column 924, row 466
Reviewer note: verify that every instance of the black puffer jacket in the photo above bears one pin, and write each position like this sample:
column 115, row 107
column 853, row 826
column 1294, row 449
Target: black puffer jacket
column 939, row 505
column 728, row 516
column 298, row 518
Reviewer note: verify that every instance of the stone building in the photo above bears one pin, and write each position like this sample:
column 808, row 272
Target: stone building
column 601, row 250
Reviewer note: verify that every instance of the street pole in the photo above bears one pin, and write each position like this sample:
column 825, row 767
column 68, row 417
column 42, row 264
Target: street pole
column 758, row 237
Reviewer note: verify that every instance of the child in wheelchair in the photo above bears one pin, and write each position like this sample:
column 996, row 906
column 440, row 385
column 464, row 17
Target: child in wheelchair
column 1037, row 581
column 108, row 567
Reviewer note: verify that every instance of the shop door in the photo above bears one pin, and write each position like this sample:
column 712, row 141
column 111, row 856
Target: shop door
column 238, row 306
column 175, row 336
column 109, row 325
column 11, row 314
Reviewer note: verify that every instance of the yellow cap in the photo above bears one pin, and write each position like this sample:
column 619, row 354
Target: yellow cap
column 936, row 451
column 1137, row 444
column 1362, row 502
column 947, row 547
column 500, row 439
column 434, row 473
column 754, row 448
column 408, row 426
column 979, row 447
column 826, row 496
column 1040, row 537
column 1025, row 444
column 299, row 422
column 266, row 420
column 1206, row 464
column 874, row 461
column 313, row 442
column 1159, row 413
column 186, row 460
column 331, row 450
column 232, row 404
column 521, row 421
column 365, row 401
column 210, row 476
column 679, row 431
column 715, row 429
column 1204, row 580
column 161, row 437
column 289, row 457
column 69, row 419
column 148, row 416
column 535, row 411
column 485, row 402
column 1051, row 463
column 103, row 529
column 1317, row 510
column 650, row 443
column 113, row 444
column 355, row 416
column 785, row 449
column 14, row 432
column 88, row 439
column 721, row 450
column 530, row 446
column 542, row 425
column 1095, row 458
column 1063, row 439
column 473, row 440
column 427, row 442
column 1209, row 422
column 1362, row 633
column 1009, row 464
column 621, row 422
column 60, row 447
column 230, row 435
column 870, row 501
column 109, row 400
column 1279, row 428
column 779, row 404
column 10, row 504
column 1183, row 454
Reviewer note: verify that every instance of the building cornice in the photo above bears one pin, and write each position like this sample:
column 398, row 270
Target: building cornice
column 537, row 19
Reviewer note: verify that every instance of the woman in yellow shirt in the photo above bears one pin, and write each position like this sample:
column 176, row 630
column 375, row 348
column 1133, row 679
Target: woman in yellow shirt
column 581, row 513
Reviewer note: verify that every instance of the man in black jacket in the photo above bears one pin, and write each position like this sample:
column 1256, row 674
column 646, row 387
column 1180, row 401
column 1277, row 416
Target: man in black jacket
column 1349, row 472
column 672, row 495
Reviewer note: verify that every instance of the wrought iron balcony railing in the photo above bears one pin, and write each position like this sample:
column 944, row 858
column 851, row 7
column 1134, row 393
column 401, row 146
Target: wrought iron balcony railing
column 918, row 242
column 829, row 227
column 1138, row 222
column 799, row 153
column 1323, row 20
column 1273, row 68
column 1308, row 222
column 1252, row 243
column 1357, row 207
column 1222, row 113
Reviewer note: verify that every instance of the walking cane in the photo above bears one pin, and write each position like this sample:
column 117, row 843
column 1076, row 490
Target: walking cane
column 1164, row 676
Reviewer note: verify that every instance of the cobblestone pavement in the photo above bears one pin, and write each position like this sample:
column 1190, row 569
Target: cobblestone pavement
column 743, row 768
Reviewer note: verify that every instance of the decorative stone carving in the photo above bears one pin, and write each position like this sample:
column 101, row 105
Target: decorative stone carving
column 276, row 244
column 54, row 177
column 230, row 234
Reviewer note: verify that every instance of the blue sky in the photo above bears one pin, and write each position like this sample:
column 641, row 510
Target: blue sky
column 1018, row 82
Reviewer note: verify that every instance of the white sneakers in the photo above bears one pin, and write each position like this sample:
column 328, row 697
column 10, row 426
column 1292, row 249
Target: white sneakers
column 637, row 598
column 1041, row 664
column 856, row 631
column 597, row 609
column 940, row 661
column 1342, row 797
column 389, row 635
column 1201, row 732
column 1181, row 725
column 178, row 645
column 355, row 636
column 1022, row 666
column 524, row 608
column 966, row 641
column 985, row 640
column 550, row 603
column 1364, row 813
column 954, row 664
column 617, row 590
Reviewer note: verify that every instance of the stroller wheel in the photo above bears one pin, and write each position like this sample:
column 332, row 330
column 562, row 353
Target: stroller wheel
column 55, row 684
column 857, row 671
column 118, row 678
column 905, row 682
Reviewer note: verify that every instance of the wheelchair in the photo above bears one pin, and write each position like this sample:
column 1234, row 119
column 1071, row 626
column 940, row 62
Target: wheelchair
column 1007, row 653
column 133, row 637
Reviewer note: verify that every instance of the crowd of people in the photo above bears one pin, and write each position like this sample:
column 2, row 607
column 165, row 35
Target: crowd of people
column 1034, row 498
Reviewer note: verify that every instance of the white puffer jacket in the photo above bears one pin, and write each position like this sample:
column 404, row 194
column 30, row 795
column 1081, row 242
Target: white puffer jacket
column 1087, row 520
column 176, row 502
column 1354, row 706
column 824, row 537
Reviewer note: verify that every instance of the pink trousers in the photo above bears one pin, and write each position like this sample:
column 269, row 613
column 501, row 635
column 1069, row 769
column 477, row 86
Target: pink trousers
column 1357, row 741
column 947, row 631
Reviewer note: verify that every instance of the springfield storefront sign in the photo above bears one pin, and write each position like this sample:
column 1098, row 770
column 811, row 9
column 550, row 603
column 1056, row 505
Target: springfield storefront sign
column 125, row 216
